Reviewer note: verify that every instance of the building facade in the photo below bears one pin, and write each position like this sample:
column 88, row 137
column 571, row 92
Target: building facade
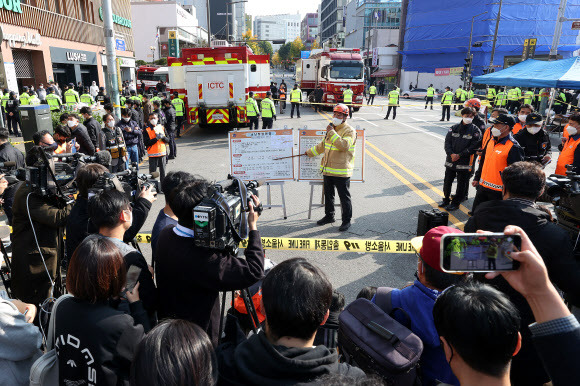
column 332, row 22
column 309, row 29
column 276, row 27
column 152, row 22
column 62, row 41
column 371, row 17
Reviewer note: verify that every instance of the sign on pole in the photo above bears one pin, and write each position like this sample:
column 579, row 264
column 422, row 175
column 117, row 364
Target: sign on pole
column 532, row 48
column 576, row 25
column 173, row 42
column 525, row 49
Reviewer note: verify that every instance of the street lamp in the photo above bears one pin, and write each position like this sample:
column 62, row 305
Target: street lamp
column 152, row 48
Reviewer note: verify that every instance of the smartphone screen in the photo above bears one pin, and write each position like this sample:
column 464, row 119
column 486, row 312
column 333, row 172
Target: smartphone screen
column 73, row 147
column 478, row 252
column 132, row 277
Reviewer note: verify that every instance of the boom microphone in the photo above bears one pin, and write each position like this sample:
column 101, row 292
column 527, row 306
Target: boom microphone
column 103, row 157
column 7, row 164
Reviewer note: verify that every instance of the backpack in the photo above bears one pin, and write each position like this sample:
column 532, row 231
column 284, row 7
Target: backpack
column 369, row 338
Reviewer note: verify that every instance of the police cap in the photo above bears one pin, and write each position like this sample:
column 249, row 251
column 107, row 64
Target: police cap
column 534, row 119
column 506, row 119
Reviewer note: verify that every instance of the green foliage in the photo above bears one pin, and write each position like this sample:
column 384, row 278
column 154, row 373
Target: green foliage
column 140, row 62
column 266, row 48
column 55, row 116
column 161, row 62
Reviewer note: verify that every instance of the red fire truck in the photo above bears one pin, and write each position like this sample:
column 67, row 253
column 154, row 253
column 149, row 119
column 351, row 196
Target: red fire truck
column 216, row 82
column 151, row 75
column 333, row 69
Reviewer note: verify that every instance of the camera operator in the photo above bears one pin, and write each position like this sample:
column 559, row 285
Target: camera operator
column 36, row 238
column 113, row 141
column 78, row 226
column 189, row 277
column 81, row 135
column 9, row 153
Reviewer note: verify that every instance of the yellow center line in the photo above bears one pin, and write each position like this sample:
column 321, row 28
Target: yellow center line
column 455, row 221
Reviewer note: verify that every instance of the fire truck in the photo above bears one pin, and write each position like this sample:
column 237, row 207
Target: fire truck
column 216, row 82
column 333, row 69
column 150, row 76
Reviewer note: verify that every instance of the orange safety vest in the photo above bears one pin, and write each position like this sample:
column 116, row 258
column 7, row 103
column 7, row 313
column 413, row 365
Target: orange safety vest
column 240, row 306
column 517, row 127
column 495, row 162
column 61, row 148
column 158, row 149
column 567, row 155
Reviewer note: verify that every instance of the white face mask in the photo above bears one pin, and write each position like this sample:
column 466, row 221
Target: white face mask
column 126, row 119
column 154, row 122
column 522, row 117
column 71, row 123
column 111, row 123
column 467, row 121
column 495, row 132
column 572, row 130
column 336, row 121
column 533, row 129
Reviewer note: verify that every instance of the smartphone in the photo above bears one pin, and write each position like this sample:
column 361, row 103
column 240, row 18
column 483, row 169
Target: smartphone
column 132, row 277
column 73, row 147
column 479, row 252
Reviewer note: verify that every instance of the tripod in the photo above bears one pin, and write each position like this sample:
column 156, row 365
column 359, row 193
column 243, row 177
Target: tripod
column 250, row 309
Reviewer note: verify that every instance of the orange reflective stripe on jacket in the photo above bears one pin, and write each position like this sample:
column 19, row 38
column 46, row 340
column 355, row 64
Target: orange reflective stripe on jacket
column 567, row 155
column 495, row 162
column 158, row 149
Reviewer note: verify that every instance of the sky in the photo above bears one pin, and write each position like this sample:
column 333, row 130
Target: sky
column 273, row 7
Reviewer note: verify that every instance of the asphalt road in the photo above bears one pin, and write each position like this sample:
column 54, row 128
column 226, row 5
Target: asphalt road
column 403, row 174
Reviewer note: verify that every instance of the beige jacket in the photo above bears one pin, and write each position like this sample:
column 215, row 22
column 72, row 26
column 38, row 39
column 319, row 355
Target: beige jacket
column 338, row 148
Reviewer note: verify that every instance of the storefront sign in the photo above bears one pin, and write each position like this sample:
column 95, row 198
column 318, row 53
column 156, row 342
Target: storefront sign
column 11, row 5
column 120, row 43
column 123, row 62
column 448, row 71
column 63, row 55
column 76, row 56
column 28, row 39
column 116, row 19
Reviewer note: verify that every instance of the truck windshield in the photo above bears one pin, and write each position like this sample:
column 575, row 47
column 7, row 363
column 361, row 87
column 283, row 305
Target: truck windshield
column 346, row 70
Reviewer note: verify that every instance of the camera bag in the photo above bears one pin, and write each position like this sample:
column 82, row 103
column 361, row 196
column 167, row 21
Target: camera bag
column 429, row 219
column 371, row 339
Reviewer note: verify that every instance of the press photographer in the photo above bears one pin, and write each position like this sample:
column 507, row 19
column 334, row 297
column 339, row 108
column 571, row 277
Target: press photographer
column 189, row 277
column 9, row 154
column 78, row 226
column 38, row 230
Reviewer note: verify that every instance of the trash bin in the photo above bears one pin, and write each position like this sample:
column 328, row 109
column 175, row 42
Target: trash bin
column 34, row 119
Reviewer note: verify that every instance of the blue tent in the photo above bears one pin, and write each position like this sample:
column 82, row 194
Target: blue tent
column 563, row 73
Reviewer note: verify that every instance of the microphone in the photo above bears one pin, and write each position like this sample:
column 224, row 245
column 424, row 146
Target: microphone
column 7, row 164
column 103, row 157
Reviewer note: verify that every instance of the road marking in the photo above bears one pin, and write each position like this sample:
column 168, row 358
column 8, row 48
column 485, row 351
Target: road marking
column 367, row 121
column 432, row 123
column 438, row 136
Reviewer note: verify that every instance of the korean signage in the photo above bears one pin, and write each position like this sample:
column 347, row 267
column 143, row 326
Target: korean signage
column 63, row 55
column 120, row 44
column 173, row 43
column 375, row 57
column 529, row 49
column 11, row 5
column 448, row 71
column 28, row 39
column 117, row 19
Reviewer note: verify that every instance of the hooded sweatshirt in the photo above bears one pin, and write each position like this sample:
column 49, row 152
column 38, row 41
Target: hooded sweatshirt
column 257, row 362
column 19, row 345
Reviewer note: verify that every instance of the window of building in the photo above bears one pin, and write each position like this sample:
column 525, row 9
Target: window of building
column 83, row 10
column 57, row 6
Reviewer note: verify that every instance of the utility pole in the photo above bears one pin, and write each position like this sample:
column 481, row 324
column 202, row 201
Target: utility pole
column 495, row 34
column 208, row 24
column 558, row 30
column 112, row 84
column 468, row 75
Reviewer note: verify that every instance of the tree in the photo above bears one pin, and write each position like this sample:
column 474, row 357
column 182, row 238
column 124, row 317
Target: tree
column 266, row 48
column 284, row 52
column 276, row 59
column 140, row 62
column 251, row 42
column 295, row 47
column 315, row 45
column 161, row 62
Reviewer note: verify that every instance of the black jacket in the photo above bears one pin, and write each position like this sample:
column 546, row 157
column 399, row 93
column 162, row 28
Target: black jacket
column 535, row 145
column 102, row 98
column 102, row 334
column 12, row 106
column 94, row 130
column 169, row 119
column 516, row 153
column 189, row 278
column 479, row 121
column 318, row 94
column 463, row 140
column 9, row 153
column 135, row 116
column 81, row 135
column 560, row 353
column 256, row 361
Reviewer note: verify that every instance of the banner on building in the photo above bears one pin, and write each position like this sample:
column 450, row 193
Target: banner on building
column 448, row 71
column 375, row 57
column 173, row 44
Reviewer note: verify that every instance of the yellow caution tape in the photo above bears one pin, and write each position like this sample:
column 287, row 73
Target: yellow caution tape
column 322, row 245
column 18, row 143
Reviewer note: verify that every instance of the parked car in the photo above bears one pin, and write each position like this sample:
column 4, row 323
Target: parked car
column 416, row 93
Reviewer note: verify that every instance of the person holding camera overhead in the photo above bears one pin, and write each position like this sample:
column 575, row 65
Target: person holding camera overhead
column 156, row 140
column 189, row 277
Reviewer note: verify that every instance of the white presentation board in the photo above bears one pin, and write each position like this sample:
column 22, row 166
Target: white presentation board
column 309, row 167
column 253, row 154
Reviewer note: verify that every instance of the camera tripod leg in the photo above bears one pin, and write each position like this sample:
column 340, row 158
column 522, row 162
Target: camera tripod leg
column 5, row 273
column 245, row 293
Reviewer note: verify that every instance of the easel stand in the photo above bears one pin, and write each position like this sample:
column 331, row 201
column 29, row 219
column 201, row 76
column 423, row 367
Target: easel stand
column 311, row 205
column 269, row 197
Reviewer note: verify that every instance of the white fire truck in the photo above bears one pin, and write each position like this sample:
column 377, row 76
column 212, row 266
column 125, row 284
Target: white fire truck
column 333, row 69
column 216, row 82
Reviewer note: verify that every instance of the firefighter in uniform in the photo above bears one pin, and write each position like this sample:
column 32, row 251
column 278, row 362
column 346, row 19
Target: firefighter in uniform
column 179, row 107
column 347, row 98
column 372, row 93
column 87, row 98
column 534, row 140
column 461, row 143
column 458, row 94
column 295, row 99
column 430, row 96
column 71, row 97
column 24, row 97
column 570, row 151
column 53, row 100
column 337, row 165
column 252, row 111
column 393, row 102
column 156, row 140
column 501, row 151
column 446, row 101
column 268, row 111
column 282, row 95
column 491, row 93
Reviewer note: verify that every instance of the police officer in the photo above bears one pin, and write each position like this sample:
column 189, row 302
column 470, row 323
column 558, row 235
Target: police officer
column 528, row 97
column 53, row 100
column 446, row 101
column 513, row 103
column 102, row 97
column 34, row 100
column 295, row 99
column 372, row 93
column 570, row 151
column 470, row 93
column 430, row 96
column 269, row 111
column 71, row 97
column 318, row 95
column 179, row 107
column 252, row 111
column 347, row 98
column 12, row 116
column 458, row 94
column 24, row 97
column 501, row 151
column 490, row 95
column 337, row 164
column 535, row 140
column 5, row 97
column 461, row 143
column 87, row 98
column 393, row 102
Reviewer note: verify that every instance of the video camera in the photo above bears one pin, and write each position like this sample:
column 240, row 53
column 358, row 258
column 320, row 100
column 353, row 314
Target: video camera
column 220, row 220
column 564, row 193
column 128, row 181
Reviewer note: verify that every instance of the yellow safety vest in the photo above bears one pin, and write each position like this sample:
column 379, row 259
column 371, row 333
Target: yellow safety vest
column 528, row 97
column 501, row 99
column 491, row 93
column 5, row 98
column 71, row 97
column 393, row 98
column 87, row 98
column 251, row 107
column 513, row 94
column 347, row 95
column 178, row 105
column 430, row 92
column 34, row 101
column 458, row 93
column 24, row 99
column 447, row 98
column 267, row 108
column 294, row 96
column 53, row 101
column 372, row 90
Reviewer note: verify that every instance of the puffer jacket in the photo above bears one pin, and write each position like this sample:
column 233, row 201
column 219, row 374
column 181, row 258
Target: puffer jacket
column 338, row 147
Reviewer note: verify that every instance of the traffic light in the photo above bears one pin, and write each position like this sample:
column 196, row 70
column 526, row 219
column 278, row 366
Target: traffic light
column 467, row 64
column 463, row 75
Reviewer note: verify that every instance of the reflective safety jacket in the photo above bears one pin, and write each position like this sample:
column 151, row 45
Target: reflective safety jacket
column 463, row 140
column 470, row 94
column 251, row 107
column 338, row 148
column 71, row 97
column 463, row 96
column 560, row 97
column 491, row 93
column 393, row 98
column 347, row 95
column 570, row 155
column 295, row 96
column 34, row 101
column 501, row 99
column 372, row 90
column 512, row 94
column 5, row 98
column 528, row 97
column 24, row 99
column 497, row 155
column 430, row 92
column 268, row 108
column 179, row 106
column 155, row 141
column 88, row 99
column 54, row 102
column 447, row 98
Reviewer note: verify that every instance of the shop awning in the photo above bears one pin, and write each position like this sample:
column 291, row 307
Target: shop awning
column 384, row 73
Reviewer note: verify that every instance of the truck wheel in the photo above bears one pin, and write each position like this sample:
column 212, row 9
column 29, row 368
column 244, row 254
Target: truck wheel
column 356, row 109
column 406, row 96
